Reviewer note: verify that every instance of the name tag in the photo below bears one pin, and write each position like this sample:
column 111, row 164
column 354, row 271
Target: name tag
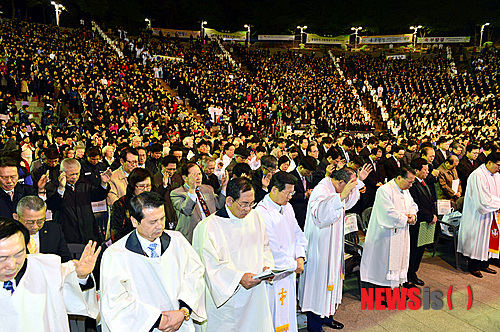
column 99, row 206
column 88, row 173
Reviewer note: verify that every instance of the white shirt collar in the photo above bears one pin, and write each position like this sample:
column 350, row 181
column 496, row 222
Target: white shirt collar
column 145, row 243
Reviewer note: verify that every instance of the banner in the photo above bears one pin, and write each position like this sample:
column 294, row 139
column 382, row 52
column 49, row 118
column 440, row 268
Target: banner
column 393, row 39
column 164, row 57
column 172, row 32
column 396, row 57
column 429, row 40
column 277, row 37
column 315, row 39
column 238, row 35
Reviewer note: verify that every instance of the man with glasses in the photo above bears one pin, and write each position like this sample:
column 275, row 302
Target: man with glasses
column 234, row 248
column 386, row 254
column 262, row 176
column 45, row 237
column 288, row 245
column 129, row 159
column 11, row 191
column 478, row 238
column 50, row 163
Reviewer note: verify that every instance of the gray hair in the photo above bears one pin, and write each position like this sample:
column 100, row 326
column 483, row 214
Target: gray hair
column 33, row 203
column 204, row 162
column 68, row 163
column 344, row 174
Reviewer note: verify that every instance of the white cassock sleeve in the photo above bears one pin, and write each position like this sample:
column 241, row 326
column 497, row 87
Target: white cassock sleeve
column 124, row 312
column 327, row 207
column 300, row 242
column 392, row 217
column 486, row 202
column 77, row 302
column 221, row 276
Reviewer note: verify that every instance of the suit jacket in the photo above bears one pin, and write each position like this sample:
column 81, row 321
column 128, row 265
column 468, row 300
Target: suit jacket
column 464, row 168
column 320, row 172
column 445, row 179
column 212, row 181
column 365, row 153
column 188, row 211
column 52, row 241
column 439, row 159
column 425, row 201
column 391, row 168
column 73, row 210
column 118, row 186
column 299, row 200
column 8, row 206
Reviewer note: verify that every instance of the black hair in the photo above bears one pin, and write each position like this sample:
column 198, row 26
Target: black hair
column 281, row 179
column 308, row 163
column 238, row 186
column 418, row 163
column 124, row 152
column 137, row 175
column 169, row 160
column 242, row 168
column 145, row 200
column 9, row 227
column 494, row 157
column 343, row 174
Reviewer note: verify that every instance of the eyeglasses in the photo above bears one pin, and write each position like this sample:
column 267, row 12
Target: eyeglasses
column 39, row 222
column 246, row 205
column 288, row 194
column 132, row 162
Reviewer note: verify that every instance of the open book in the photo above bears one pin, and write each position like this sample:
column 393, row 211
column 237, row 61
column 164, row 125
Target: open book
column 269, row 273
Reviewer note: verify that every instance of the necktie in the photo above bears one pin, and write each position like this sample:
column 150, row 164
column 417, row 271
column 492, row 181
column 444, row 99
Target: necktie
column 304, row 183
column 399, row 164
column 11, row 195
column 32, row 247
column 202, row 203
column 152, row 247
column 8, row 285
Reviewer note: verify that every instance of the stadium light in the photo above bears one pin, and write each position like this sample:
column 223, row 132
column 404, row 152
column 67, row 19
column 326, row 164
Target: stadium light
column 248, row 31
column 149, row 22
column 302, row 32
column 356, row 36
column 415, row 28
column 481, row 39
column 202, row 32
column 59, row 8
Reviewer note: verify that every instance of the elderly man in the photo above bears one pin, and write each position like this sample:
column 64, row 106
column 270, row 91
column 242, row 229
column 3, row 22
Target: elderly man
column 71, row 202
column 288, row 245
column 479, row 227
column 320, row 287
column 37, row 290
column 386, row 251
column 209, row 178
column 11, row 191
column 447, row 177
column 234, row 248
column 152, row 279
column 45, row 237
column 129, row 159
column 195, row 201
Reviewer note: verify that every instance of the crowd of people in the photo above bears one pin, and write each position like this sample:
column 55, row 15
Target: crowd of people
column 165, row 205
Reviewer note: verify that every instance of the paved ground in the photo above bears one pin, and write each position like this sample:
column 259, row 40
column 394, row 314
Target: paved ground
column 439, row 273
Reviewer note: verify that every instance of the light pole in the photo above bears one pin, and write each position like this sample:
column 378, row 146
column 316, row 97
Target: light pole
column 356, row 36
column 415, row 28
column 59, row 8
column 481, row 39
column 248, row 32
column 202, row 32
column 301, row 32
column 149, row 22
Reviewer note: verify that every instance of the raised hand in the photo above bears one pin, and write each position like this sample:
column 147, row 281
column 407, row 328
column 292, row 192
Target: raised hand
column 62, row 181
column 85, row 265
column 43, row 181
column 106, row 176
column 348, row 188
column 364, row 171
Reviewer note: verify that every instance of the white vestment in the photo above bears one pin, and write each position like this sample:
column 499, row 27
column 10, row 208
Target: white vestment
column 287, row 242
column 45, row 295
column 320, row 285
column 482, row 199
column 386, row 252
column 135, row 288
column 229, row 248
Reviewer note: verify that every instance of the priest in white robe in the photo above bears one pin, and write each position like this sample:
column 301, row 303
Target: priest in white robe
column 151, row 279
column 38, row 292
column 386, row 252
column 288, row 245
column 234, row 247
column 478, row 238
column 320, row 285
